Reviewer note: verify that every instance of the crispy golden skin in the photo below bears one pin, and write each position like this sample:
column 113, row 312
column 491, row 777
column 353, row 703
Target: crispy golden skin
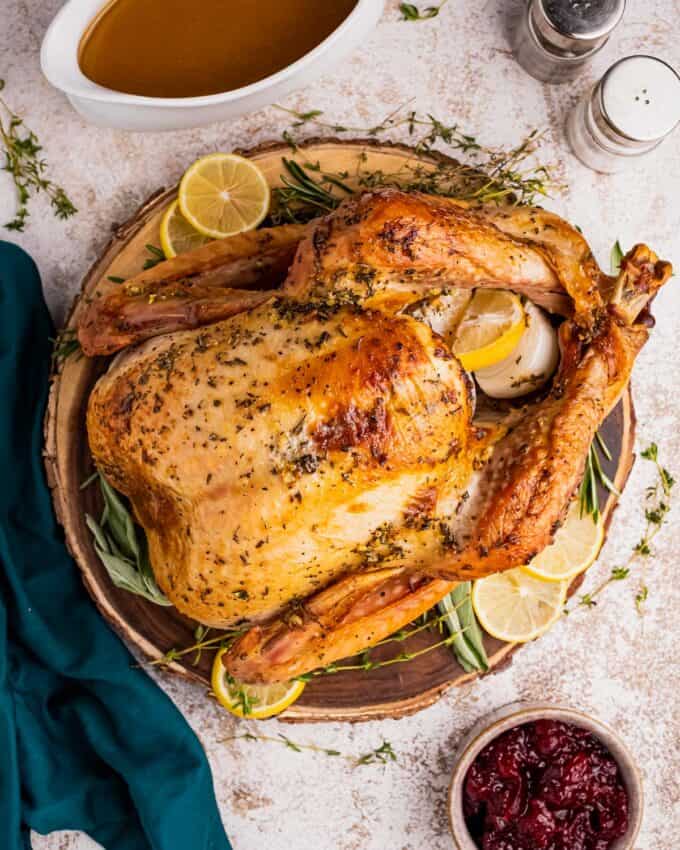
column 312, row 464
column 387, row 247
column 263, row 453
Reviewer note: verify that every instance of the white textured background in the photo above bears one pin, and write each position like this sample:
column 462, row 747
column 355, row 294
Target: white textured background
column 606, row 660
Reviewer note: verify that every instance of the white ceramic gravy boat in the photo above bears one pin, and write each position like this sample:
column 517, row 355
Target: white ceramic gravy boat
column 108, row 108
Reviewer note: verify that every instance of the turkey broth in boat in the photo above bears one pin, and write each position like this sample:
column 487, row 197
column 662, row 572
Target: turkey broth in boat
column 177, row 48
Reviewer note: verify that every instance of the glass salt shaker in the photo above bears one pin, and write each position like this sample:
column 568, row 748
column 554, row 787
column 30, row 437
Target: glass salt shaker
column 555, row 39
column 627, row 114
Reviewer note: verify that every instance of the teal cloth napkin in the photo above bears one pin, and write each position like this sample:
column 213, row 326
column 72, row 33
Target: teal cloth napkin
column 87, row 741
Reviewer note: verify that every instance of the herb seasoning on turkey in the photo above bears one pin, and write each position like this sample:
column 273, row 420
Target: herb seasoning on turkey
column 348, row 488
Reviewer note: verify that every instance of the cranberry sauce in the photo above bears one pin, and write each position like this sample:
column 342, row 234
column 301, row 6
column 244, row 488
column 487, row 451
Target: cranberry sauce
column 545, row 785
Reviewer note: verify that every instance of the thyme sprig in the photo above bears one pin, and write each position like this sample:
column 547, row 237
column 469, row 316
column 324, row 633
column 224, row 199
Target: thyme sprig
column 492, row 175
column 656, row 508
column 382, row 754
column 410, row 12
column 221, row 641
column 366, row 661
column 244, row 699
column 27, row 168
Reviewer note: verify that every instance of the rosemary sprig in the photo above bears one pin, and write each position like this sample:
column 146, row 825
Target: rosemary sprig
column 301, row 192
column 27, row 169
column 594, row 475
column 155, row 257
column 64, row 345
column 382, row 754
column 126, row 558
column 657, row 506
column 410, row 12
column 495, row 175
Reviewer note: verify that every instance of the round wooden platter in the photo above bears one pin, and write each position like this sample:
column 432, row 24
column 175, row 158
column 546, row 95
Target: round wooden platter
column 391, row 691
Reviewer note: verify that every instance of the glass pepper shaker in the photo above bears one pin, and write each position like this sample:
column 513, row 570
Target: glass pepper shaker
column 555, row 39
column 627, row 114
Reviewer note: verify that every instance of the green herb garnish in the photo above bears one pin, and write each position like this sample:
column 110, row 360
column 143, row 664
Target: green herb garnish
column 126, row 558
column 366, row 661
column 244, row 701
column 381, row 754
column 65, row 344
column 615, row 257
column 27, row 168
column 468, row 643
column 202, row 642
column 494, row 175
column 410, row 12
column 593, row 476
column 300, row 191
column 657, row 506
column 156, row 256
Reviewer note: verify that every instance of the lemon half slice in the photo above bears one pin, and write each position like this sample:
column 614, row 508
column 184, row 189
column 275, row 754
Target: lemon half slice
column 576, row 545
column 490, row 329
column 177, row 235
column 252, row 701
column 223, row 194
column 516, row 607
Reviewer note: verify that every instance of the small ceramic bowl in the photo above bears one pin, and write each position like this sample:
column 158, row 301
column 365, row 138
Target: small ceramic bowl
column 108, row 108
column 516, row 714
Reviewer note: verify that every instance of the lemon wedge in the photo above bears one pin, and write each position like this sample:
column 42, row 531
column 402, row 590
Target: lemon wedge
column 177, row 235
column 252, row 701
column 576, row 545
column 491, row 327
column 530, row 365
column 516, row 607
column 223, row 194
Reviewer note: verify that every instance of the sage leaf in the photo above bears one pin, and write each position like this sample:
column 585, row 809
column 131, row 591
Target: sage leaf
column 118, row 547
column 468, row 644
column 462, row 597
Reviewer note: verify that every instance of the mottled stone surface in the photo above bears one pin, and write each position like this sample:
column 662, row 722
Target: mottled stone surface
column 607, row 660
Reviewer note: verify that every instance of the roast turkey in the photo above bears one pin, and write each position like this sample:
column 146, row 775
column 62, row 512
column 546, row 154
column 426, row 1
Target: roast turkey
column 308, row 459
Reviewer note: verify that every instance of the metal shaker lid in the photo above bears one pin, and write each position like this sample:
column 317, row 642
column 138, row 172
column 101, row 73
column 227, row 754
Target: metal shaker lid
column 640, row 99
column 575, row 26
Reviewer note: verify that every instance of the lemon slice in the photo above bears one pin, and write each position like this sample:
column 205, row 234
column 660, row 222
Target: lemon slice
column 490, row 329
column 223, row 194
column 252, row 701
column 515, row 607
column 177, row 235
column 576, row 545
